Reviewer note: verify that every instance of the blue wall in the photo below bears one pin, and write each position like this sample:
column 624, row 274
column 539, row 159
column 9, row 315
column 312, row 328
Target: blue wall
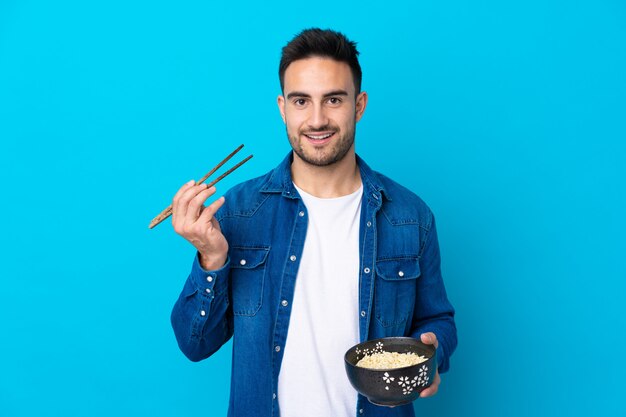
column 508, row 118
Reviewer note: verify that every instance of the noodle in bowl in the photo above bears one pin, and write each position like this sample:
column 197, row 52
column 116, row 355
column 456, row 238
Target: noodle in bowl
column 390, row 360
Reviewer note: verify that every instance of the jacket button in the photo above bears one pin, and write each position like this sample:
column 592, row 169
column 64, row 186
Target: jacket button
column 292, row 257
column 301, row 214
column 242, row 262
column 363, row 313
column 284, row 303
column 277, row 348
column 401, row 273
column 209, row 279
column 202, row 313
column 369, row 224
column 366, row 270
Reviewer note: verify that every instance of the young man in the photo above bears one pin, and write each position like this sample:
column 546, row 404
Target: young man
column 317, row 255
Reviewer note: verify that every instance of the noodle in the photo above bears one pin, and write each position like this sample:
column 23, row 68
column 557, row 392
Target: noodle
column 390, row 360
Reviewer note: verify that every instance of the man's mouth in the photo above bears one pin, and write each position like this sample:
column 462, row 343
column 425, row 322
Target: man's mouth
column 319, row 137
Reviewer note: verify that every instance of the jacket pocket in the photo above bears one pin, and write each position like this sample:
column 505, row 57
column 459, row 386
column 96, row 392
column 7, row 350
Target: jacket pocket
column 247, row 278
column 395, row 289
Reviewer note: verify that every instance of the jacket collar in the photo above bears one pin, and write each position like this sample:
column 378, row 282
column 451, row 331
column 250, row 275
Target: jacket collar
column 280, row 180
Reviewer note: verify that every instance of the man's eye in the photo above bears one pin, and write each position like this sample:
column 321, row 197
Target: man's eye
column 334, row 100
column 299, row 102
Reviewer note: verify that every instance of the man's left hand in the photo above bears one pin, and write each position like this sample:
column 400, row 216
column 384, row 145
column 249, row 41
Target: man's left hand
column 430, row 339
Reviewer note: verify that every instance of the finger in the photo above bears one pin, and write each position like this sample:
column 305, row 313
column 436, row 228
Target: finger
column 432, row 390
column 183, row 188
column 176, row 221
column 185, row 198
column 180, row 192
column 209, row 211
column 177, row 197
column 196, row 204
column 429, row 339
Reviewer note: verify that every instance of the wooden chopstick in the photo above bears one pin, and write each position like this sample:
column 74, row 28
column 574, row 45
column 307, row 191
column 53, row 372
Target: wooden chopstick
column 167, row 212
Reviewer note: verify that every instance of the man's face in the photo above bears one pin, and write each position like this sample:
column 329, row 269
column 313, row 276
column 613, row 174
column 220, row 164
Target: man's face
column 320, row 109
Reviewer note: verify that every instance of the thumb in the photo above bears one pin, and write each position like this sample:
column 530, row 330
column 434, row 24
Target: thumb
column 429, row 339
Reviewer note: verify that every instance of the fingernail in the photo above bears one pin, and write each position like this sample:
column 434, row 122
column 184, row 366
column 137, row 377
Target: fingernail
column 191, row 182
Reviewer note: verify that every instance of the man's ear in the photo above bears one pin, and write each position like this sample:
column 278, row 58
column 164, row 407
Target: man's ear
column 361, row 103
column 281, row 107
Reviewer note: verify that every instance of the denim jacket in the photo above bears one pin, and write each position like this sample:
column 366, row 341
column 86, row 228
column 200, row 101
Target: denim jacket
column 401, row 291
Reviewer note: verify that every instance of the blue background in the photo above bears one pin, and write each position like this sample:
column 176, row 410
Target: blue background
column 507, row 118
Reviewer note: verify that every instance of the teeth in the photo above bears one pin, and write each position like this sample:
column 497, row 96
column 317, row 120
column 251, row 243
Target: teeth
column 319, row 137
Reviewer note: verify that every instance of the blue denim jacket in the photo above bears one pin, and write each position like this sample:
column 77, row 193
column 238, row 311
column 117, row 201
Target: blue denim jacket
column 401, row 291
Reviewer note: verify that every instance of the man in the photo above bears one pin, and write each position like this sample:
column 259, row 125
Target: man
column 310, row 259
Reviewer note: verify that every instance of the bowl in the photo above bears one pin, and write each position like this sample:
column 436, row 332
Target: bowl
column 391, row 387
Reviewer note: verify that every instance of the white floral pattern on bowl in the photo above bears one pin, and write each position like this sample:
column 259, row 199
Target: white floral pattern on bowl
column 404, row 382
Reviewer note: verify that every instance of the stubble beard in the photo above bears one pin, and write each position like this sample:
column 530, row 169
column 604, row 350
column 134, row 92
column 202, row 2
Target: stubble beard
column 336, row 152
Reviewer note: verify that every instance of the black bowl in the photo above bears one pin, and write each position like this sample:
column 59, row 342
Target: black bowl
column 391, row 387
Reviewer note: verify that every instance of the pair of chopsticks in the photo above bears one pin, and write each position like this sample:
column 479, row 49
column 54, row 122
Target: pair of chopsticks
column 168, row 211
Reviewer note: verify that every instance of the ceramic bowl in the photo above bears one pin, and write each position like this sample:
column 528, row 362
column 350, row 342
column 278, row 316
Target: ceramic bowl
column 391, row 387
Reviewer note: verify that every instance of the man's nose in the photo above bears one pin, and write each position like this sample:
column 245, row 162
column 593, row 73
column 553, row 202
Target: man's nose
column 318, row 117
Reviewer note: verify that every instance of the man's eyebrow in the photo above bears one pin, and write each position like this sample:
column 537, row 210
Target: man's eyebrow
column 336, row 93
column 297, row 94
column 329, row 94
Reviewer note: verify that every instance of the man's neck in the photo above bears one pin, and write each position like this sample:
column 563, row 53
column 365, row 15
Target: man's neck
column 335, row 180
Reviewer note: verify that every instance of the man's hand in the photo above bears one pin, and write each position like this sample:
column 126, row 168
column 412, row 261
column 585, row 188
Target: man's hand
column 430, row 339
column 195, row 222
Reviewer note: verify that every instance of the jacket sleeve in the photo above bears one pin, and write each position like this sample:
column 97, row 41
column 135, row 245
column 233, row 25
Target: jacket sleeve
column 433, row 312
column 201, row 317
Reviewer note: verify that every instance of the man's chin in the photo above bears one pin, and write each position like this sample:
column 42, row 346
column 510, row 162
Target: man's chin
column 316, row 162
column 319, row 160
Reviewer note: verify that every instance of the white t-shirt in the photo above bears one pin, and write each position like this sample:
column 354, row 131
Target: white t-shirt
column 324, row 320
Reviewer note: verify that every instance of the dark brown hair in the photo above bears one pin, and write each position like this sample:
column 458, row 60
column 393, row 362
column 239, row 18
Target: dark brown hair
column 321, row 43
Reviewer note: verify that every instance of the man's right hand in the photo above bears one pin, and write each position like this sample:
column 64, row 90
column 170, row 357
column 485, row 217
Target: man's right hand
column 195, row 222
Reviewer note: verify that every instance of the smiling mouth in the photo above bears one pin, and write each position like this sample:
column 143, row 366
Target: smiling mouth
column 319, row 136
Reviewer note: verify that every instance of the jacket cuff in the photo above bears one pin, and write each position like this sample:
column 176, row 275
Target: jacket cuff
column 210, row 283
